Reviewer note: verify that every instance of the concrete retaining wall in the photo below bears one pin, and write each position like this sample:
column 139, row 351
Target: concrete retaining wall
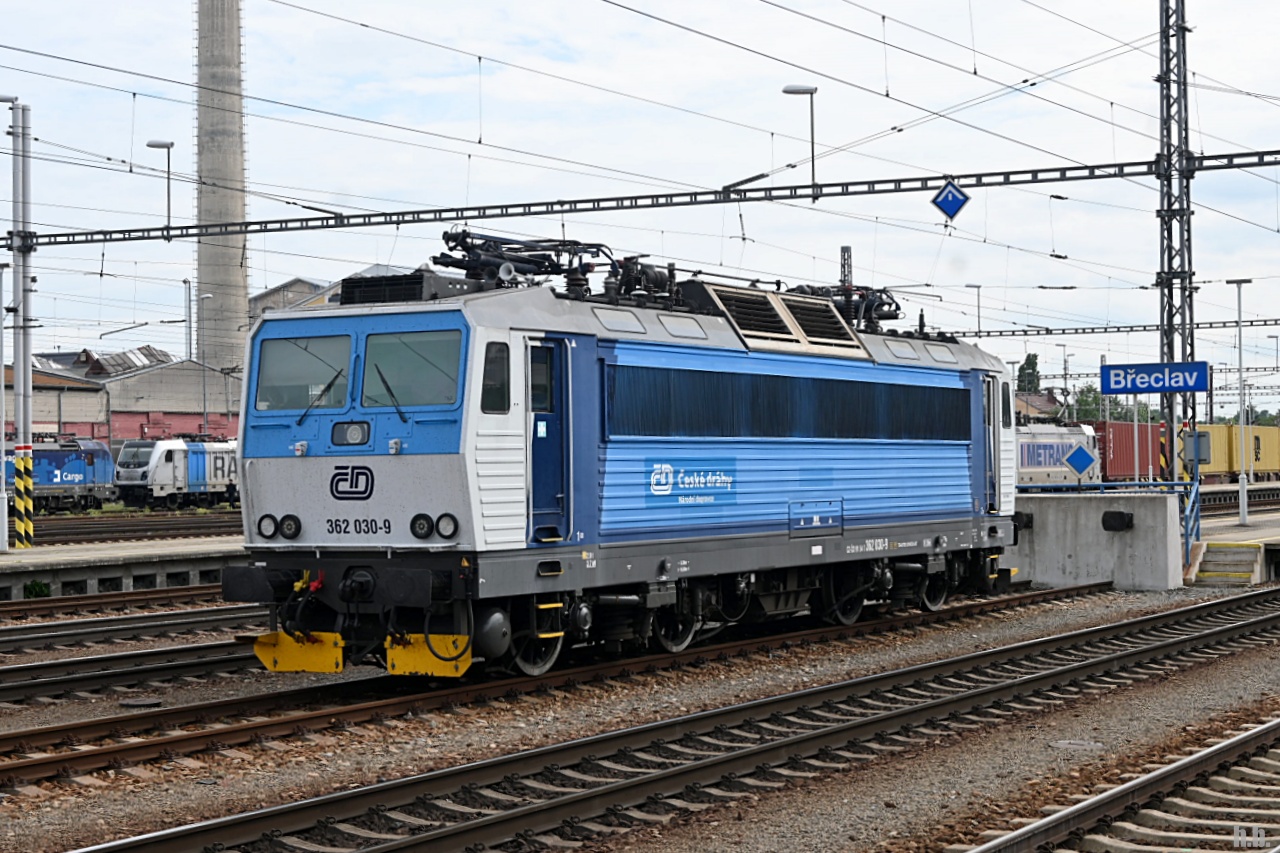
column 1067, row 544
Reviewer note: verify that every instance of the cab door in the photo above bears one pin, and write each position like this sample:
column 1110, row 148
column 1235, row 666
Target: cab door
column 991, row 405
column 548, row 441
column 1001, row 450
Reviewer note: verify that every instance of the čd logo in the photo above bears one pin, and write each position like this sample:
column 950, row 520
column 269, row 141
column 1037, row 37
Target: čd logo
column 351, row 483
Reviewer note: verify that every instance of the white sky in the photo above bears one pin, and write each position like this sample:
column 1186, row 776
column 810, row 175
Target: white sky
column 702, row 113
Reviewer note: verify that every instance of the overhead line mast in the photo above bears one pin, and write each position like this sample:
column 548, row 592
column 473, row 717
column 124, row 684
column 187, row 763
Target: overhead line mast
column 1176, row 167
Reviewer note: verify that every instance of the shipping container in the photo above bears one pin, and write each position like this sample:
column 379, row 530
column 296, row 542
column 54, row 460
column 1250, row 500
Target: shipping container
column 1262, row 454
column 1117, row 447
column 1219, row 467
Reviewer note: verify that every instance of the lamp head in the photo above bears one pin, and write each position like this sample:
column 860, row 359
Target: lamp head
column 796, row 89
column 159, row 143
column 8, row 99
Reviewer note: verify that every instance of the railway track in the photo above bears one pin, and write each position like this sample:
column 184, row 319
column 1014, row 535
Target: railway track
column 1222, row 503
column 105, row 601
column 21, row 682
column 1221, row 798
column 559, row 795
column 81, row 747
column 77, row 631
column 71, row 530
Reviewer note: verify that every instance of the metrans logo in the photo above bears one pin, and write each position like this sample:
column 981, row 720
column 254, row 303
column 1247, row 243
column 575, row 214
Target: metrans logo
column 680, row 481
column 1155, row 378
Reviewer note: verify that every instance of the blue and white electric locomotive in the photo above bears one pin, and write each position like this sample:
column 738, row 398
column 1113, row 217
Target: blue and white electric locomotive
column 442, row 470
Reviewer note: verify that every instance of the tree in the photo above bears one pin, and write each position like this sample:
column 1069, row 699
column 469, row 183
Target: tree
column 1029, row 375
column 1088, row 403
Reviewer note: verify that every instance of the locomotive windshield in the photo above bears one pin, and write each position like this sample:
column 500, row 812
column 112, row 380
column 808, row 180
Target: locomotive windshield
column 135, row 454
column 303, row 373
column 412, row 369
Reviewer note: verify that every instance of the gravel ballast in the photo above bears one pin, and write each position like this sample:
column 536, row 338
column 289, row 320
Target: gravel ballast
column 843, row 812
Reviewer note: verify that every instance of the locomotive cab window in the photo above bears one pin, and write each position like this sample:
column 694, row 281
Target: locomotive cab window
column 541, row 393
column 135, row 454
column 495, row 391
column 1006, row 409
column 297, row 373
column 412, row 369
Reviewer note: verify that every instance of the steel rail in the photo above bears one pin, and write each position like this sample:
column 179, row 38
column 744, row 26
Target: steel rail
column 51, row 678
column 548, row 814
column 1085, row 815
column 43, row 634
column 168, row 719
column 96, row 602
column 59, row 530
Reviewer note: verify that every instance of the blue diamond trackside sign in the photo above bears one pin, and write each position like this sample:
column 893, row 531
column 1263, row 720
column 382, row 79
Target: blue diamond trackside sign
column 950, row 199
column 1080, row 460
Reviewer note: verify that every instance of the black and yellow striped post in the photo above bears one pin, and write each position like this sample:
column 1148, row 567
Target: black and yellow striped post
column 29, row 471
column 1165, row 471
column 19, row 503
column 23, row 508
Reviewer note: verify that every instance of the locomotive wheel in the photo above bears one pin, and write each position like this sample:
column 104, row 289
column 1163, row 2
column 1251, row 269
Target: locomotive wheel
column 532, row 654
column 933, row 592
column 674, row 628
column 842, row 600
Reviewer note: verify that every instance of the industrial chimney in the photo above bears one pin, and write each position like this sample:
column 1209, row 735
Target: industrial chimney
column 221, row 268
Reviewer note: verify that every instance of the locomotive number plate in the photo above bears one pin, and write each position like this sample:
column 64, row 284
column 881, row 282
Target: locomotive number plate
column 359, row 526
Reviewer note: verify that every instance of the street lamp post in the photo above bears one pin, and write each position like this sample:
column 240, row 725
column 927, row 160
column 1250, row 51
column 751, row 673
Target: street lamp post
column 204, row 380
column 168, row 172
column 813, row 155
column 1244, row 477
column 978, row 288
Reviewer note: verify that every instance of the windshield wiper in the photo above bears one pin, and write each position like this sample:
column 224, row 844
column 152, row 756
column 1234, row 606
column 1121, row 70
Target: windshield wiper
column 392, row 394
column 317, row 398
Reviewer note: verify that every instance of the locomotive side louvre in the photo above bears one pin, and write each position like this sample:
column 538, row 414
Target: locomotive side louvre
column 601, row 474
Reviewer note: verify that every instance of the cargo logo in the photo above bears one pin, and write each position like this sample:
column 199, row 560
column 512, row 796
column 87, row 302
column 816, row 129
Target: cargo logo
column 1155, row 378
column 351, row 483
column 694, row 482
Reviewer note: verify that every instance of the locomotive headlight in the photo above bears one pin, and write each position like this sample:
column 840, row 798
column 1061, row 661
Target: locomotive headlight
column 290, row 527
column 351, row 432
column 421, row 526
column 446, row 525
column 268, row 527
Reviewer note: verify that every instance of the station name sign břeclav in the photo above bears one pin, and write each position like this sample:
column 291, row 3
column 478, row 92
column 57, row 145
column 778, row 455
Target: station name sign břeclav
column 1155, row 378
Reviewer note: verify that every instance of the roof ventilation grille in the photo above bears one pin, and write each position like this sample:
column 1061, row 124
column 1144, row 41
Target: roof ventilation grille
column 753, row 312
column 819, row 321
